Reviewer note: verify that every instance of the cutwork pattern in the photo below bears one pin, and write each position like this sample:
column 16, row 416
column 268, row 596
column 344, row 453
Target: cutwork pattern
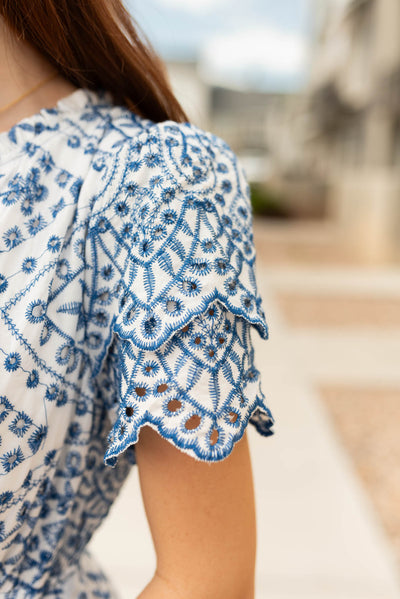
column 198, row 389
column 127, row 297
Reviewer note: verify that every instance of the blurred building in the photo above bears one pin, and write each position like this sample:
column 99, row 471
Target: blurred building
column 265, row 130
column 191, row 90
column 256, row 125
column 259, row 126
column 354, row 101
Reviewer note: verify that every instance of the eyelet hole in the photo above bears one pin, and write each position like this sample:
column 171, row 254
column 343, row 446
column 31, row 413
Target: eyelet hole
column 214, row 437
column 193, row 422
column 130, row 314
column 232, row 417
column 129, row 411
column 174, row 405
column 172, row 305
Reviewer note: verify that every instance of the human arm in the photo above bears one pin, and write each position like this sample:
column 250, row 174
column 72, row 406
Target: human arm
column 202, row 520
column 187, row 301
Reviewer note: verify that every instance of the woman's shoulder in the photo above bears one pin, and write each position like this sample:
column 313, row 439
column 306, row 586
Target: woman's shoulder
column 174, row 212
column 170, row 164
column 184, row 151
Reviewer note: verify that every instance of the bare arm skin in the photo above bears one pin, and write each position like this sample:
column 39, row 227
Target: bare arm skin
column 202, row 520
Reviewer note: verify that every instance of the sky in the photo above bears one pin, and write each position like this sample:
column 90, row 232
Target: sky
column 248, row 44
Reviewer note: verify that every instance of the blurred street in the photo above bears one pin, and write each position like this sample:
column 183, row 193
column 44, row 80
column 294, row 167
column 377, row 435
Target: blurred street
column 331, row 372
column 323, row 519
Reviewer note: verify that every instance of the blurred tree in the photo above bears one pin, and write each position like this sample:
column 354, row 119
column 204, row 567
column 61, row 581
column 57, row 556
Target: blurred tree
column 267, row 202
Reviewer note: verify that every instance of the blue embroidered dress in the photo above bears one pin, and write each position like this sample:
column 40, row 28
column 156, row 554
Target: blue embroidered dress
column 127, row 296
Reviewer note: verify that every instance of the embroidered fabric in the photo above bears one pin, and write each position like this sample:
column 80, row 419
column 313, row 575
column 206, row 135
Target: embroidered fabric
column 127, row 296
column 188, row 258
column 199, row 389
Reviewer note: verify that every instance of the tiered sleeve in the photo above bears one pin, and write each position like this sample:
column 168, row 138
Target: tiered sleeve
column 187, row 296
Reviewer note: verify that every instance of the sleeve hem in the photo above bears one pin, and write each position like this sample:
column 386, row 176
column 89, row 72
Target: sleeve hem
column 258, row 414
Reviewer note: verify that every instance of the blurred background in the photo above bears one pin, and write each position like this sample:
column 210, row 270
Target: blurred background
column 307, row 93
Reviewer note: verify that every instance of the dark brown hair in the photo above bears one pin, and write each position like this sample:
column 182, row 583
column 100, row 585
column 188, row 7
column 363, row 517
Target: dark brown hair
column 96, row 44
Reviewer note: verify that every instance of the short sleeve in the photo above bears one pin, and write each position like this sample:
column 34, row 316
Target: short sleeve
column 179, row 238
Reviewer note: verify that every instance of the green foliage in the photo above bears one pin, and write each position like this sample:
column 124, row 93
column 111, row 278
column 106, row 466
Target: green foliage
column 267, row 202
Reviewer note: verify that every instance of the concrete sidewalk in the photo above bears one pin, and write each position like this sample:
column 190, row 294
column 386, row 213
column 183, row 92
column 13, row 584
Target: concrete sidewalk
column 318, row 534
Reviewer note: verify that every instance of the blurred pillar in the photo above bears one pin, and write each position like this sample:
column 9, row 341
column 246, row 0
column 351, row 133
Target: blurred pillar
column 378, row 137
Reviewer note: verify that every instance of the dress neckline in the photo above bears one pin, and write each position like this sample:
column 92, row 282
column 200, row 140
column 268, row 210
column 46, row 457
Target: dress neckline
column 43, row 123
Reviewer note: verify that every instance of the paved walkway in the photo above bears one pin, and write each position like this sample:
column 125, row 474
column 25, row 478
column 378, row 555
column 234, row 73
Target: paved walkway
column 318, row 534
column 321, row 538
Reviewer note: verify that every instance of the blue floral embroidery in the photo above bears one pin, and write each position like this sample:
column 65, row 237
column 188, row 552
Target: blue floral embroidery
column 20, row 424
column 127, row 297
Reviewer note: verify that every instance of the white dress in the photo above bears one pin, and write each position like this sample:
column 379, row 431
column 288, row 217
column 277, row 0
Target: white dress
column 127, row 296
